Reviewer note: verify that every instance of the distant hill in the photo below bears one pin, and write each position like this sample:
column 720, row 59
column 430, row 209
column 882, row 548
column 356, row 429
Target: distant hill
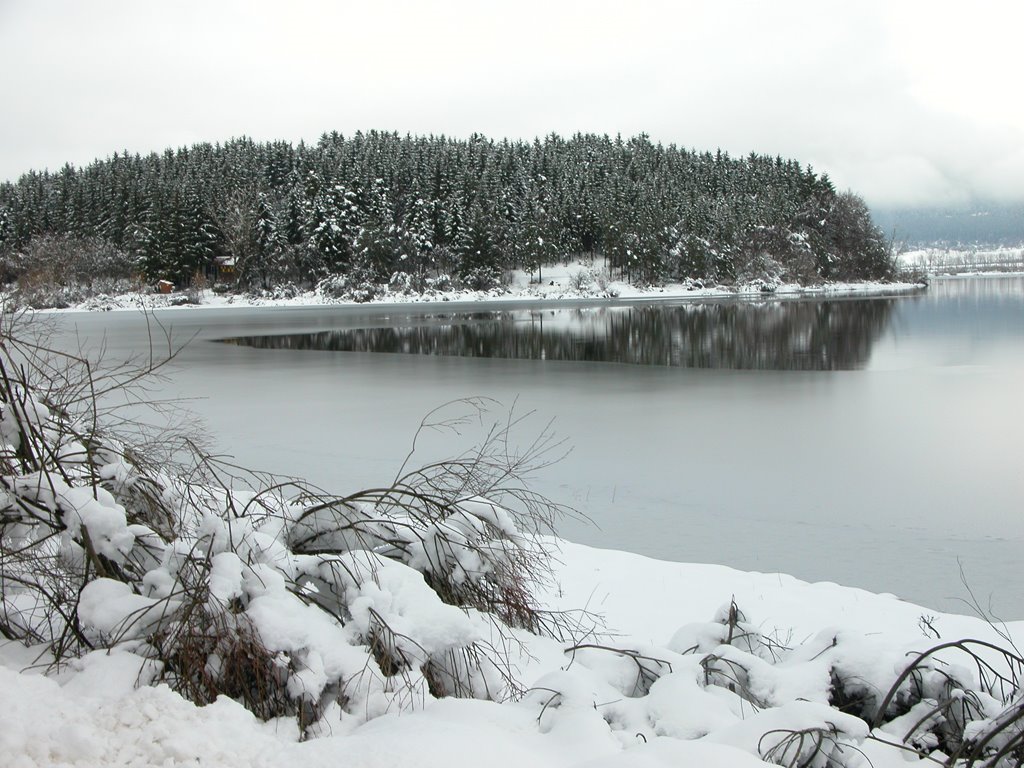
column 977, row 225
column 351, row 214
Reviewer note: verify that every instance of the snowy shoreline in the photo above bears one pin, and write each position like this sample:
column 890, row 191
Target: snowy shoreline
column 557, row 289
column 93, row 714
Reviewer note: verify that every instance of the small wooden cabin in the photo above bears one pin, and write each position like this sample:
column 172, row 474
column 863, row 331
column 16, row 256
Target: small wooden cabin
column 225, row 266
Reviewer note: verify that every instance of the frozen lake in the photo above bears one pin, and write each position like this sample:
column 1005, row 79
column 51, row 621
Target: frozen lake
column 872, row 442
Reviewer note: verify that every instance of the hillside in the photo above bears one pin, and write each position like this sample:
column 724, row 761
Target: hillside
column 358, row 212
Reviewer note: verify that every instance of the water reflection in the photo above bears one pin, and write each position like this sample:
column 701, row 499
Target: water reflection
column 779, row 335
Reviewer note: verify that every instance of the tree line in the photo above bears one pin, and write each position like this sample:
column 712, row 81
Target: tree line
column 377, row 206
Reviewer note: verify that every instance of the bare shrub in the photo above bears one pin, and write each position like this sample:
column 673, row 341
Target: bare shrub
column 109, row 540
column 603, row 281
column 60, row 270
column 580, row 281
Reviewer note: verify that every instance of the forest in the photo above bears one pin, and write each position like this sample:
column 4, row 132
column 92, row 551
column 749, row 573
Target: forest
column 353, row 215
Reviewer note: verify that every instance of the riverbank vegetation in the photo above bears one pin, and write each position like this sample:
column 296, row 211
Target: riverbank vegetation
column 353, row 215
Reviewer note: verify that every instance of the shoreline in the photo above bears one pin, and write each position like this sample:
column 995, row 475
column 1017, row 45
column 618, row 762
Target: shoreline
column 556, row 293
column 805, row 640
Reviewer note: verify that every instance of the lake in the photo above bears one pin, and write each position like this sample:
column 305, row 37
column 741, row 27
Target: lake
column 875, row 442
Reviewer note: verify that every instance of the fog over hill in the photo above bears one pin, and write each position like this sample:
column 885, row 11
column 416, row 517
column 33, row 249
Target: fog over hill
column 979, row 224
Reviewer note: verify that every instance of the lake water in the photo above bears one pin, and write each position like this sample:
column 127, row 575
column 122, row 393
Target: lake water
column 872, row 442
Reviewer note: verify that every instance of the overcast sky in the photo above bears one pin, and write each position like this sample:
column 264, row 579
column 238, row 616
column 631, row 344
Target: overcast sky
column 905, row 102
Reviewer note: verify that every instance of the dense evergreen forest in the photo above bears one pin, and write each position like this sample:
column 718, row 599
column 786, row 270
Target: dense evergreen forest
column 351, row 213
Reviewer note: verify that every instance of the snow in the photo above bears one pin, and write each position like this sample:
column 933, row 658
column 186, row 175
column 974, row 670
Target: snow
column 112, row 610
column 226, row 576
column 574, row 281
column 586, row 707
column 80, row 507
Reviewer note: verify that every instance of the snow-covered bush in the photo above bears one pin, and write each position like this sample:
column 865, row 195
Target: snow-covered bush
column 333, row 286
column 603, row 281
column 592, row 282
column 286, row 599
column 581, row 281
column 286, row 290
column 482, row 278
column 442, row 282
column 354, row 286
column 759, row 271
column 404, row 283
column 822, row 703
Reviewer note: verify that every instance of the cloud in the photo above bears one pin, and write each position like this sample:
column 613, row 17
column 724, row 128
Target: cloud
column 907, row 106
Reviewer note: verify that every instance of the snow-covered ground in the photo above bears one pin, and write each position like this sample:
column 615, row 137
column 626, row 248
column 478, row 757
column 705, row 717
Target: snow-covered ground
column 576, row 280
column 587, row 708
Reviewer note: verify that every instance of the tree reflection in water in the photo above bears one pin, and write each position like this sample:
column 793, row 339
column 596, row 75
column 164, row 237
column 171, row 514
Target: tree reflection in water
column 778, row 335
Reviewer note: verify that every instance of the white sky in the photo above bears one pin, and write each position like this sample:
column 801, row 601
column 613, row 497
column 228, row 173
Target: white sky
column 905, row 102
